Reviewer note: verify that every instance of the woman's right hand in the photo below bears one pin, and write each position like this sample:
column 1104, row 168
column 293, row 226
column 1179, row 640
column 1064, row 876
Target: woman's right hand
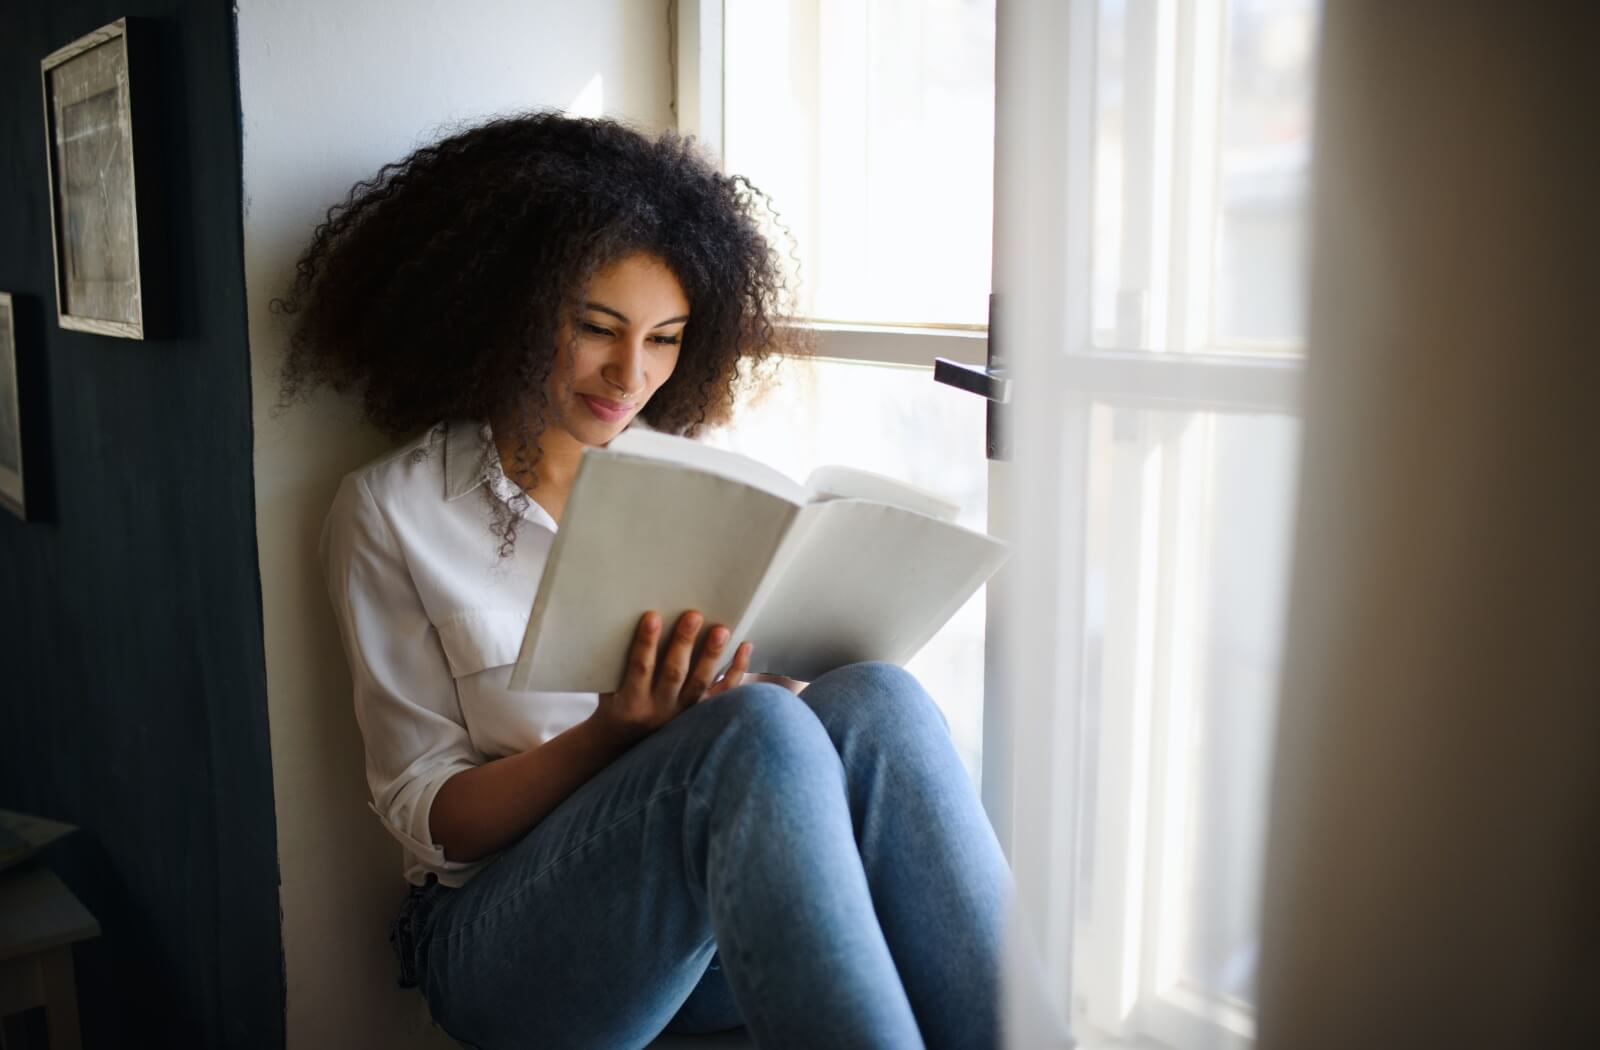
column 653, row 693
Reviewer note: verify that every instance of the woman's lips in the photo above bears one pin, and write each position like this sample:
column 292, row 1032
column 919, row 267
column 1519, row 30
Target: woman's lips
column 605, row 410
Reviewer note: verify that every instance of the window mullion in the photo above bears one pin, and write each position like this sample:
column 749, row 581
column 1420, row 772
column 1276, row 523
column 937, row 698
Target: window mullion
column 1185, row 497
column 1198, row 80
column 839, row 173
column 1120, row 825
column 1143, row 291
column 697, row 70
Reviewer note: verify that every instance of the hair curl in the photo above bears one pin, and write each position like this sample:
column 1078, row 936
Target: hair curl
column 437, row 290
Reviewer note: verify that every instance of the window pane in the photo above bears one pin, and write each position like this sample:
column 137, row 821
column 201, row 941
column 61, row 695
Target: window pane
column 1190, row 522
column 1110, row 119
column 895, row 421
column 872, row 126
column 1202, row 147
column 1239, row 610
column 1264, row 165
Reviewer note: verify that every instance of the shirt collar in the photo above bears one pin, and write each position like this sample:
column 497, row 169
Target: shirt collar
column 466, row 459
column 471, row 461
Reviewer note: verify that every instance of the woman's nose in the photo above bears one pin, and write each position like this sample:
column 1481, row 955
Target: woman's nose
column 626, row 367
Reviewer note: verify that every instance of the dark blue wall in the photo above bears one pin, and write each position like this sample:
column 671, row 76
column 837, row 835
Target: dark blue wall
column 132, row 677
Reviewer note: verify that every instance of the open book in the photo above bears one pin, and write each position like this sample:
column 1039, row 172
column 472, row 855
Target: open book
column 851, row 566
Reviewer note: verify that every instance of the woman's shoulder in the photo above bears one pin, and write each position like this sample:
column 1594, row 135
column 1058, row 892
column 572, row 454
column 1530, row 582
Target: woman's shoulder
column 397, row 478
column 405, row 471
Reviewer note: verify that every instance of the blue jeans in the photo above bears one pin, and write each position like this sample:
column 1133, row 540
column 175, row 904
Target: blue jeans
column 818, row 868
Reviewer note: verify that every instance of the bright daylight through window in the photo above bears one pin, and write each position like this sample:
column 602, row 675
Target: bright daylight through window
column 871, row 124
column 1201, row 157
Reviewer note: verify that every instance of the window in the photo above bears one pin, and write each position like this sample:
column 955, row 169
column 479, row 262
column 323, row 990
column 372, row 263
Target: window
column 870, row 123
column 1150, row 167
column 1170, row 443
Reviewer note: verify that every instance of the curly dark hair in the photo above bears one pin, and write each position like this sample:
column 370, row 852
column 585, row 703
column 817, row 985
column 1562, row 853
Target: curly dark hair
column 438, row 289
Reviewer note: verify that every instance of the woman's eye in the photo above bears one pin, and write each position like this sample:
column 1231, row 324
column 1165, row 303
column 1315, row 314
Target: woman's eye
column 594, row 329
column 667, row 340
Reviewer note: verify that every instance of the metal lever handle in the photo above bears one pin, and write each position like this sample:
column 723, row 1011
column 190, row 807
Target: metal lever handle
column 991, row 383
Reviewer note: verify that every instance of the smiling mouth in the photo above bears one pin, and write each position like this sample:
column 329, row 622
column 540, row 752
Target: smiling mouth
column 606, row 409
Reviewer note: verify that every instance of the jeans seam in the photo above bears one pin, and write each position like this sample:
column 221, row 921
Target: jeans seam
column 542, row 872
column 756, row 1011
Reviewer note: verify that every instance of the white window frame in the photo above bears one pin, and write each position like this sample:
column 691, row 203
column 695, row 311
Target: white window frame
column 1163, row 358
column 1123, row 973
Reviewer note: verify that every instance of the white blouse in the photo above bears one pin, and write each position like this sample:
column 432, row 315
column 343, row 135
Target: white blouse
column 431, row 623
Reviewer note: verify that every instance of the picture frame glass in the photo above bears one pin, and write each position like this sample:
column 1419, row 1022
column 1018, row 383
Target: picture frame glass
column 11, row 490
column 95, row 207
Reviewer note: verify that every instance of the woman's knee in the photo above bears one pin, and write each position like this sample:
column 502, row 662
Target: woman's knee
column 871, row 676
column 872, row 692
column 765, row 723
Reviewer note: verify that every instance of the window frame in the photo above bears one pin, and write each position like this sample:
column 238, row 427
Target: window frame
column 1161, row 356
column 1170, row 363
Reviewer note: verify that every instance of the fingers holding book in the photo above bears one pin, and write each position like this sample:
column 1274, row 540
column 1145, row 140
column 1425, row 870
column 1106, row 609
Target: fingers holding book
column 653, row 691
column 735, row 674
column 702, row 680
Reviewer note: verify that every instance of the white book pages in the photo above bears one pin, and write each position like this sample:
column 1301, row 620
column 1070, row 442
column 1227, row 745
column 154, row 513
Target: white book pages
column 827, row 483
column 639, row 534
column 869, row 571
column 857, row 580
column 718, row 461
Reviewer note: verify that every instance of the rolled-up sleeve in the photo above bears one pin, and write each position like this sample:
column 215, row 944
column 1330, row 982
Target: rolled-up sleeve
column 405, row 698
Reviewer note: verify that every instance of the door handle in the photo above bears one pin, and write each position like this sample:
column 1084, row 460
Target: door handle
column 984, row 382
column 991, row 382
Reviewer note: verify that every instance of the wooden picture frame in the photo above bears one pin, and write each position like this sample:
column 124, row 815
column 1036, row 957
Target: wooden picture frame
column 94, row 203
column 12, row 487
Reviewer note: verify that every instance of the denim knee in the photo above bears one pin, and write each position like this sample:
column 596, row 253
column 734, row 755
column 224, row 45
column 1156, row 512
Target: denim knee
column 873, row 693
column 766, row 731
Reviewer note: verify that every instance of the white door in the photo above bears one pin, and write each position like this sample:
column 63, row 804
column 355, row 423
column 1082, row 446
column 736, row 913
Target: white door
column 1146, row 160
column 1152, row 163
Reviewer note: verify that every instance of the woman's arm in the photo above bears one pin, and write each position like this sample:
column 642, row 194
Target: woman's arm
column 481, row 810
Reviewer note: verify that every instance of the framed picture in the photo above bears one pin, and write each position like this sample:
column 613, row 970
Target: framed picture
column 11, row 489
column 94, row 207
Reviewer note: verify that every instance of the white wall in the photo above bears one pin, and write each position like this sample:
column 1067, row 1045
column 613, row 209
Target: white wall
column 329, row 91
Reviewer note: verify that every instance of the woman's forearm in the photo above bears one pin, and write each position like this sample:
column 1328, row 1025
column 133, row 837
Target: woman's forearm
column 484, row 809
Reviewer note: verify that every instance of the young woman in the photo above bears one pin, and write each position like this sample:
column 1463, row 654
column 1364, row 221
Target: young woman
column 697, row 850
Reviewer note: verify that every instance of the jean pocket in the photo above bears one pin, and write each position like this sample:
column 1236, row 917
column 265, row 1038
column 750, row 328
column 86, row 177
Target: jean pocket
column 406, row 929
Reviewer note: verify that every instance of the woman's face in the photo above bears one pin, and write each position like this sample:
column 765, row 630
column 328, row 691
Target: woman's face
column 628, row 330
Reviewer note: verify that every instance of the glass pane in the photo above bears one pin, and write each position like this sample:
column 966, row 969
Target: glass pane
column 1190, row 520
column 898, row 422
column 1237, row 650
column 1202, row 148
column 872, row 126
column 1264, row 164
column 1110, row 97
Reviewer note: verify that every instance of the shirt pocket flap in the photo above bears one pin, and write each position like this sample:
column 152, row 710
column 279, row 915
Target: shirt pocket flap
column 481, row 638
